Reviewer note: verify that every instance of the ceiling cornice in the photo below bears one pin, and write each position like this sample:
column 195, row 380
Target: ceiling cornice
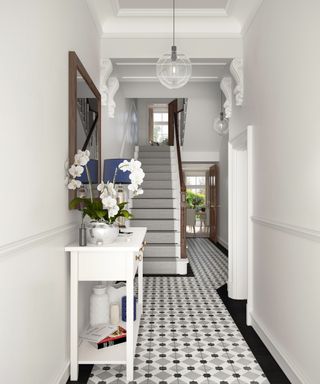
column 167, row 12
column 168, row 35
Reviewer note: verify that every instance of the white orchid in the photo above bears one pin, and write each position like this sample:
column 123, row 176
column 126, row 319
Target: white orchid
column 101, row 186
column 132, row 165
column 76, row 170
column 111, row 190
column 113, row 211
column 74, row 184
column 139, row 191
column 109, row 202
column 81, row 157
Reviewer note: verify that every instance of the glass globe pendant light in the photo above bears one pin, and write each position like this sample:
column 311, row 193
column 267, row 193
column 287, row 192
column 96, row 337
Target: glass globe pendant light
column 221, row 124
column 173, row 69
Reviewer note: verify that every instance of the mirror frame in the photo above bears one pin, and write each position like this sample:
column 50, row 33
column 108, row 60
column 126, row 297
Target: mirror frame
column 75, row 66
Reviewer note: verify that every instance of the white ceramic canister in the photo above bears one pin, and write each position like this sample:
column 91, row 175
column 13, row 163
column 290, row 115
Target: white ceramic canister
column 99, row 305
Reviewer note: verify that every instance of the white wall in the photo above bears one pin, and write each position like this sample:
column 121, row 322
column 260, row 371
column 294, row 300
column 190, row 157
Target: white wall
column 222, row 232
column 120, row 134
column 35, row 38
column 282, row 80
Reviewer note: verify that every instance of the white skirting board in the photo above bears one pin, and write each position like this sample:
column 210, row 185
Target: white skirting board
column 288, row 366
column 64, row 375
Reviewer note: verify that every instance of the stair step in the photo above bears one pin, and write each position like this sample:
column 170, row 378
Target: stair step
column 157, row 184
column 161, row 250
column 157, row 168
column 164, row 237
column 153, row 224
column 155, row 155
column 155, row 213
column 155, row 193
column 153, row 203
column 155, row 161
column 165, row 266
column 155, row 148
column 157, row 176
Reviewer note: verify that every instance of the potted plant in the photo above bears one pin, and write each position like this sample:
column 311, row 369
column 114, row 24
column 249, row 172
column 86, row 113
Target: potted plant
column 105, row 209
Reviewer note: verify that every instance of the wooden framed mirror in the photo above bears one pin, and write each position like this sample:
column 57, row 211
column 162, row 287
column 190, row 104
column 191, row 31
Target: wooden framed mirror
column 84, row 118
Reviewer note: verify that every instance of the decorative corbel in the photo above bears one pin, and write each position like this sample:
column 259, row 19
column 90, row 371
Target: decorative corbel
column 113, row 86
column 226, row 88
column 105, row 71
column 236, row 69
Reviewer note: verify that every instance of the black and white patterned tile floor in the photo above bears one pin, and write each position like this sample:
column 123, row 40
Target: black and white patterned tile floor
column 187, row 336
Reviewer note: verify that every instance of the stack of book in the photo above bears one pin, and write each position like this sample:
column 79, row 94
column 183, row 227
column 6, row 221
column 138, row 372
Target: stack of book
column 103, row 336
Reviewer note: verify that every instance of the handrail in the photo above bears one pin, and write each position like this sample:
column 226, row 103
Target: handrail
column 182, row 189
column 176, row 131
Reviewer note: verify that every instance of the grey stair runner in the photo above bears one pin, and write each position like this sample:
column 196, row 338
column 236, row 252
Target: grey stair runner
column 158, row 210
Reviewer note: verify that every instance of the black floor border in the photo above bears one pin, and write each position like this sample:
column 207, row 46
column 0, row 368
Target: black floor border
column 237, row 310
column 84, row 374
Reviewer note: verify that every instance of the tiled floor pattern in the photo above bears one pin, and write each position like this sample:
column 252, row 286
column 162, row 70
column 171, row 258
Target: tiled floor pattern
column 187, row 336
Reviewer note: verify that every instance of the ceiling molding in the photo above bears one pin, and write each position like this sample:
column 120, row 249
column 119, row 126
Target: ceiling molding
column 155, row 79
column 153, row 64
column 251, row 17
column 163, row 12
column 167, row 12
column 168, row 35
column 95, row 18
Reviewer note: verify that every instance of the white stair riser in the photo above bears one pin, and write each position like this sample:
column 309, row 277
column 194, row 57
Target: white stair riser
column 155, row 148
column 159, row 176
column 166, row 267
column 161, row 251
column 157, row 184
column 155, row 155
column 155, row 161
column 159, row 168
column 163, row 237
column 154, row 203
column 156, row 193
column 153, row 225
column 149, row 213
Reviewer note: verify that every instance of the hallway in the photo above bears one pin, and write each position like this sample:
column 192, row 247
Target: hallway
column 187, row 335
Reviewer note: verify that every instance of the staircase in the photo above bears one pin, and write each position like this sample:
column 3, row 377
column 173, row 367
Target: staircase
column 158, row 209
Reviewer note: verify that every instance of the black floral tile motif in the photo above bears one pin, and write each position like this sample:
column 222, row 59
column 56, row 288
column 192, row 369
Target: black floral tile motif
column 187, row 336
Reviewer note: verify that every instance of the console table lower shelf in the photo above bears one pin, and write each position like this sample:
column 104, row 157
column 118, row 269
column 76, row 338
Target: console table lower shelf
column 117, row 354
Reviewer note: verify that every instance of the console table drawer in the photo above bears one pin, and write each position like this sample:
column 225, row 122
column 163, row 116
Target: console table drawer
column 97, row 266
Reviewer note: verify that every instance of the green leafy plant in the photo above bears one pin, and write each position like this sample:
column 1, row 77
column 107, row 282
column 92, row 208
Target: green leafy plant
column 194, row 200
column 94, row 209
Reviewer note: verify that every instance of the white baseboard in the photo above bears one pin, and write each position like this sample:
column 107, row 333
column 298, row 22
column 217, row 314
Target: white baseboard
column 222, row 242
column 286, row 363
column 64, row 375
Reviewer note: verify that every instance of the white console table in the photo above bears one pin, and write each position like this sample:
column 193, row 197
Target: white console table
column 117, row 261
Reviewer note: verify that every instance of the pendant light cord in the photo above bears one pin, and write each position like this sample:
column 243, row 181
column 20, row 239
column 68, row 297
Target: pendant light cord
column 173, row 21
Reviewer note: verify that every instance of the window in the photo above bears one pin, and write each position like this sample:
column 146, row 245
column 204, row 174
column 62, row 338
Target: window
column 158, row 123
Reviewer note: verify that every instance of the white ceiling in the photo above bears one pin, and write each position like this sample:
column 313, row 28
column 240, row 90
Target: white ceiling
column 151, row 18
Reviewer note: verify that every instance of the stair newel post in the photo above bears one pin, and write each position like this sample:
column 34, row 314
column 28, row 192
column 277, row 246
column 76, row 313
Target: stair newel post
column 175, row 139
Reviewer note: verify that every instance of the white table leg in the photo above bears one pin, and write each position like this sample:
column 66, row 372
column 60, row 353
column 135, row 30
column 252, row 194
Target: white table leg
column 140, row 283
column 74, row 368
column 130, row 323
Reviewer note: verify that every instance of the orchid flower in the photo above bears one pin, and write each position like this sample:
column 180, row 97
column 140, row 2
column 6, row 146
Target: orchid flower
column 81, row 157
column 76, row 170
column 74, row 184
